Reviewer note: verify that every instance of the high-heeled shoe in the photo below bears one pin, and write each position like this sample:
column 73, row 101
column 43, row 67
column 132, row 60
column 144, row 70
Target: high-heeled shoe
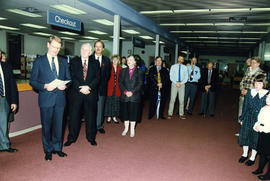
column 108, row 120
column 264, row 177
column 258, row 171
column 115, row 120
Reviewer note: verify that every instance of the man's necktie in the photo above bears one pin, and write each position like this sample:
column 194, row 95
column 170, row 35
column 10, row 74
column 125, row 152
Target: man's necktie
column 179, row 74
column 209, row 76
column 54, row 68
column 1, row 86
column 99, row 59
column 191, row 75
column 158, row 77
column 84, row 70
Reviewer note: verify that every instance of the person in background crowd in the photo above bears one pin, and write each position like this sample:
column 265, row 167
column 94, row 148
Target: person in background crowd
column 130, row 83
column 192, row 84
column 52, row 98
column 112, row 106
column 164, row 65
column 254, row 101
column 105, row 73
column 124, row 62
column 158, row 80
column 262, row 126
column 85, row 76
column 209, row 80
column 179, row 77
column 8, row 103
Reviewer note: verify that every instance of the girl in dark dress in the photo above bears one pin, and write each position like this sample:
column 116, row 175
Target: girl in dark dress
column 254, row 101
column 262, row 126
column 131, row 84
column 112, row 107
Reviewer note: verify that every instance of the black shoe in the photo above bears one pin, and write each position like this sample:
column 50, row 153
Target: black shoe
column 115, row 121
column 93, row 143
column 250, row 163
column 212, row 115
column 102, row 131
column 48, row 156
column 242, row 159
column 162, row 117
column 68, row 143
column 60, row 153
column 201, row 113
column 256, row 172
column 189, row 113
column 9, row 150
column 264, row 177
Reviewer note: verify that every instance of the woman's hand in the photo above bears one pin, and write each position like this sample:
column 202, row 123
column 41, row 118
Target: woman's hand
column 257, row 128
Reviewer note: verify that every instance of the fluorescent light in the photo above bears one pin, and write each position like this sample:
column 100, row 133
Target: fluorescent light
column 229, row 24
column 247, row 42
column 43, row 34
column 1, row 18
column 191, row 11
column 260, row 9
column 33, row 26
column 249, row 38
column 161, row 42
column 192, row 41
column 258, row 24
column 229, row 32
column 267, row 55
column 25, row 13
column 188, row 37
column 104, row 22
column 204, row 32
column 146, row 37
column 68, row 9
column 98, row 32
column 131, row 32
column 121, row 38
column 8, row 27
column 173, row 24
column 255, row 32
column 90, row 37
column 157, row 12
column 230, row 10
column 181, row 31
column 227, row 38
column 67, row 38
column 68, row 33
column 199, row 24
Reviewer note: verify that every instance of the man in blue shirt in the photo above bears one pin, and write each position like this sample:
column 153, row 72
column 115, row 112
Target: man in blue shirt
column 194, row 75
column 178, row 76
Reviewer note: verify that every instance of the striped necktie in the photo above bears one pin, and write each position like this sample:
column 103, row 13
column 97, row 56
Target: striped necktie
column 54, row 67
column 84, row 70
column 1, row 86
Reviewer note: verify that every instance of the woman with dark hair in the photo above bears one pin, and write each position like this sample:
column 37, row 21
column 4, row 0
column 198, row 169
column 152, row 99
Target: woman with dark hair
column 254, row 101
column 262, row 126
column 112, row 106
column 130, row 83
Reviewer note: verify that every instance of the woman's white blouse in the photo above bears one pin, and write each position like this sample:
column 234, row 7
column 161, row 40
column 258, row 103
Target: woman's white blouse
column 264, row 120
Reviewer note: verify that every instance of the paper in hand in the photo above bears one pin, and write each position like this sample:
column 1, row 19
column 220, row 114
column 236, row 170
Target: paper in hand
column 59, row 83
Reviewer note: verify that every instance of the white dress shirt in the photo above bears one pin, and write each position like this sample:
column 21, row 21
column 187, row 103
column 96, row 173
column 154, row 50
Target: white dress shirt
column 264, row 120
column 99, row 58
column 174, row 73
column 55, row 62
column 3, row 80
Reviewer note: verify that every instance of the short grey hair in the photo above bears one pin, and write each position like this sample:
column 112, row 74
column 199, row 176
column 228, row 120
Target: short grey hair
column 88, row 44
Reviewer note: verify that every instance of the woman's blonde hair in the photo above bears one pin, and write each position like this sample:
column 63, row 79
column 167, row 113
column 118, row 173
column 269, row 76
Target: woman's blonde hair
column 117, row 57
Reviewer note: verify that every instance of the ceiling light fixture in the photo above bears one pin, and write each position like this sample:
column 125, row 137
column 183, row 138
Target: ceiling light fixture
column 97, row 32
column 33, row 26
column 121, row 38
column 24, row 13
column 8, row 27
column 68, row 33
column 68, row 9
column 146, row 37
column 104, row 22
column 131, row 32
column 90, row 37
column 67, row 38
column 1, row 18
column 157, row 12
column 42, row 34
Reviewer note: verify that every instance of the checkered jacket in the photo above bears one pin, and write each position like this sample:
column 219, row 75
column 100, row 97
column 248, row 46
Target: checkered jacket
column 248, row 80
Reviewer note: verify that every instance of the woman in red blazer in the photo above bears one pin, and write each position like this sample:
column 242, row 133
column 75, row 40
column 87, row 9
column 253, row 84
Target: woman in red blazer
column 112, row 107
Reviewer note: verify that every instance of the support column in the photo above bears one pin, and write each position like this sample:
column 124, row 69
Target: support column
column 157, row 46
column 116, row 34
column 176, row 53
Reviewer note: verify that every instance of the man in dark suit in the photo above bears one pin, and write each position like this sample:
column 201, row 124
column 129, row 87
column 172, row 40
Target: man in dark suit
column 209, row 80
column 85, row 75
column 8, row 103
column 159, row 79
column 105, row 72
column 51, row 98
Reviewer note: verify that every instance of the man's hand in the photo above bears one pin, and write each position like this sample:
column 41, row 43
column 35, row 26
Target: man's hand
column 13, row 107
column 49, row 87
column 85, row 89
column 63, row 87
column 159, row 86
column 178, row 84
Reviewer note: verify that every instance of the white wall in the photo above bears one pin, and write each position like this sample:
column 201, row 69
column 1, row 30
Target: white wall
column 3, row 40
column 35, row 45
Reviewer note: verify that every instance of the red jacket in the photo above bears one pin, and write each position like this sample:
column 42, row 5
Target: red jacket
column 111, row 83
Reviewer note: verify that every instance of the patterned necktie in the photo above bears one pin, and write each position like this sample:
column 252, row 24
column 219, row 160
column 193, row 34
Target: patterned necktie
column 54, row 68
column 1, row 86
column 191, row 75
column 179, row 74
column 84, row 70
column 158, row 77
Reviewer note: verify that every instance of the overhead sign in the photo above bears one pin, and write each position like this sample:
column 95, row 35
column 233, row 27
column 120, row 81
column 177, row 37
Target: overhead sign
column 137, row 42
column 57, row 19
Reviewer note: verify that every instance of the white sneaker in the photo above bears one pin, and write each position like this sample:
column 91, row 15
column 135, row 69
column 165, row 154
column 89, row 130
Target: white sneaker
column 237, row 134
column 124, row 133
